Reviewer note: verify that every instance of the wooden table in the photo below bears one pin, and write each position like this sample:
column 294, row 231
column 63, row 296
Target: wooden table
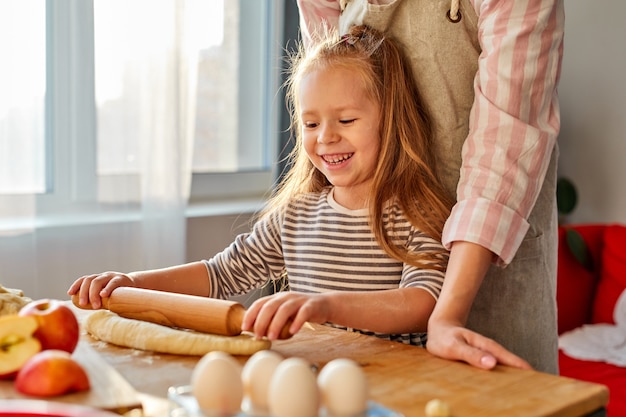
column 403, row 378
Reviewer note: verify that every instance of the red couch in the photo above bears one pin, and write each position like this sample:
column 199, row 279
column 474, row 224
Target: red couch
column 588, row 296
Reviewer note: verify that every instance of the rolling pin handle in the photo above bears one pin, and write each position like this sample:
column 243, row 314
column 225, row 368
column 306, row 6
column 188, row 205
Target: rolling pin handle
column 285, row 333
column 234, row 319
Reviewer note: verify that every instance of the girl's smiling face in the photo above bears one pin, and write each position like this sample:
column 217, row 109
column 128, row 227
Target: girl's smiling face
column 340, row 131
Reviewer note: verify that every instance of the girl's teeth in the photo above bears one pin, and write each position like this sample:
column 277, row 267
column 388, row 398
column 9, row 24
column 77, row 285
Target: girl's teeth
column 334, row 159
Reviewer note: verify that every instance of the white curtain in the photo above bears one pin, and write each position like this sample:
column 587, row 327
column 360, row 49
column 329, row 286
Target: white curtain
column 133, row 225
column 164, row 85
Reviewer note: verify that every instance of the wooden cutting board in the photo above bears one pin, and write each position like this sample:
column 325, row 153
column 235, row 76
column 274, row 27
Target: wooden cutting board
column 405, row 378
column 109, row 390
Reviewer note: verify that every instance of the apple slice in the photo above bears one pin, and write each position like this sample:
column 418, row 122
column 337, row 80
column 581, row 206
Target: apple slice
column 17, row 343
column 51, row 373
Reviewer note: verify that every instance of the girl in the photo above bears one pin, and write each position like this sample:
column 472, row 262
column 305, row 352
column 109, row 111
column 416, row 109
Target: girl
column 355, row 224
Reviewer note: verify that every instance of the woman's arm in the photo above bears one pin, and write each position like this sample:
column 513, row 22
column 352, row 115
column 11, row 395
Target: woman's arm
column 513, row 125
column 447, row 336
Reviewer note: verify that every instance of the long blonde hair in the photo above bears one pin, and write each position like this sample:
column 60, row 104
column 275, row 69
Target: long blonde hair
column 406, row 169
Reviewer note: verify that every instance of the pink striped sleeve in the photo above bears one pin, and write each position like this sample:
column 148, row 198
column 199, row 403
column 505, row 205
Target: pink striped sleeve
column 513, row 124
column 315, row 15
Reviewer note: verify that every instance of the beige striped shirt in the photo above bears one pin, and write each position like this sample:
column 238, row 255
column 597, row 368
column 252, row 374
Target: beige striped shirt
column 324, row 247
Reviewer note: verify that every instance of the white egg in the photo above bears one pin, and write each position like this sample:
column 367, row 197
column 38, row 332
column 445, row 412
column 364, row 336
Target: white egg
column 293, row 390
column 343, row 387
column 256, row 376
column 216, row 383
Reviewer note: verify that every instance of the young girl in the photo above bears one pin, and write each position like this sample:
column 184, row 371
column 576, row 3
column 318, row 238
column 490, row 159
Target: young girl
column 355, row 224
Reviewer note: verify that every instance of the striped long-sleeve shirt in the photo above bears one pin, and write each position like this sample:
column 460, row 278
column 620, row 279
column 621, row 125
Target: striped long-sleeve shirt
column 325, row 247
column 514, row 121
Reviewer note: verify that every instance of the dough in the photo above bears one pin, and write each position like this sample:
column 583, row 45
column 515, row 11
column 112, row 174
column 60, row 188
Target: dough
column 137, row 334
column 12, row 300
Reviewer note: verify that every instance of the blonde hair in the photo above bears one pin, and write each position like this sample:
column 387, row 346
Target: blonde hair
column 405, row 172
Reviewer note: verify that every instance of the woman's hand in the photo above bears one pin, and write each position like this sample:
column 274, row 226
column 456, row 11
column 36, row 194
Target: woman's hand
column 268, row 315
column 452, row 341
column 92, row 288
column 447, row 336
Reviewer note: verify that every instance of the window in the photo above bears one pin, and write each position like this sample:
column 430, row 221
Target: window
column 23, row 86
column 68, row 125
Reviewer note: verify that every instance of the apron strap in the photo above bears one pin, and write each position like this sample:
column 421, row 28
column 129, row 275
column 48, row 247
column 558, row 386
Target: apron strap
column 454, row 15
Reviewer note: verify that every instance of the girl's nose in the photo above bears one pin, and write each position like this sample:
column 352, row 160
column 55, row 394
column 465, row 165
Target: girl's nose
column 327, row 135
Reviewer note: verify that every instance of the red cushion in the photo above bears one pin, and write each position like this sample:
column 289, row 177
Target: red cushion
column 601, row 373
column 613, row 274
column 575, row 284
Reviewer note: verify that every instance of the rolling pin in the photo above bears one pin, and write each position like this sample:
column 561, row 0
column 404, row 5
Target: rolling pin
column 203, row 314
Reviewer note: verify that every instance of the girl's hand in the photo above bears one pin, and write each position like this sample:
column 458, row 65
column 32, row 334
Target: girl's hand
column 268, row 315
column 92, row 288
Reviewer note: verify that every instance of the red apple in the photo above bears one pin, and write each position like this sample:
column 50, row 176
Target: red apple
column 50, row 373
column 17, row 343
column 58, row 327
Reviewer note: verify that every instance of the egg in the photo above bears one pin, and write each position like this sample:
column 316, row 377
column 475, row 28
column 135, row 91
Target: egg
column 216, row 384
column 256, row 377
column 293, row 390
column 343, row 387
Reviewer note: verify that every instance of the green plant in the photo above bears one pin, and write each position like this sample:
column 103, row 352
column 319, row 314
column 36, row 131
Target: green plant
column 566, row 196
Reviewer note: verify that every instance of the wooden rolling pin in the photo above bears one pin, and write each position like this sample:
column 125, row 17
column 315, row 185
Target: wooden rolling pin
column 203, row 314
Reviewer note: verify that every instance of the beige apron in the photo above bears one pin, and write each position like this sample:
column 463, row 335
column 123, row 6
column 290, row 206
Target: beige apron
column 516, row 305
